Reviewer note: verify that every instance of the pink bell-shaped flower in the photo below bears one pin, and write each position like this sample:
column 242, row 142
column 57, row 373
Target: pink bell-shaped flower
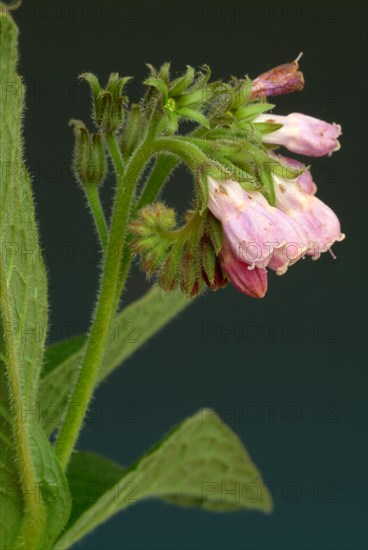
column 302, row 134
column 317, row 219
column 257, row 232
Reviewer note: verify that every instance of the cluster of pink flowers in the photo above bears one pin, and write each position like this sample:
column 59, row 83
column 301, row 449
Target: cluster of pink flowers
column 259, row 236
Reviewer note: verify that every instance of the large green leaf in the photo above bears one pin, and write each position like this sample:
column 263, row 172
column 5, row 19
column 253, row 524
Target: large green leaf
column 201, row 462
column 33, row 489
column 90, row 476
column 58, row 353
column 131, row 329
column 24, row 284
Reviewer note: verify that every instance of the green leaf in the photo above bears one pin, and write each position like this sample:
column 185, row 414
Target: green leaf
column 116, row 84
column 180, row 84
column 23, row 291
column 33, row 487
column 215, row 231
column 89, row 477
column 203, row 77
column 265, row 176
column 165, row 73
column 59, row 352
column 168, row 276
column 160, row 85
column 172, row 122
column 208, row 259
column 201, row 180
column 57, row 380
column 200, row 463
column 192, row 114
column 93, row 83
column 51, row 487
column 287, row 171
column 132, row 131
column 131, row 329
column 253, row 110
column 266, row 127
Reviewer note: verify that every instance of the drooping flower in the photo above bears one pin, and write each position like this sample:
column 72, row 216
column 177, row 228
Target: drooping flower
column 283, row 79
column 255, row 231
column 302, row 134
column 246, row 224
column 317, row 219
column 295, row 243
column 252, row 282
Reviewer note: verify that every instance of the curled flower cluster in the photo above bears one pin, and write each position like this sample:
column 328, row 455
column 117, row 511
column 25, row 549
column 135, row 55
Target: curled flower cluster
column 254, row 209
column 258, row 235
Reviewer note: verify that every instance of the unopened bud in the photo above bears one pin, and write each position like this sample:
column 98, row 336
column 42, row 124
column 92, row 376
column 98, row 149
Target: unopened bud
column 108, row 105
column 283, row 79
column 89, row 155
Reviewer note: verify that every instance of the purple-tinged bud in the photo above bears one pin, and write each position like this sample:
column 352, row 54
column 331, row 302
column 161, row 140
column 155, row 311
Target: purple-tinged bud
column 252, row 282
column 283, row 79
column 302, row 134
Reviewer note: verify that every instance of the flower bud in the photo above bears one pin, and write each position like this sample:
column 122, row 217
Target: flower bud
column 283, row 79
column 89, row 155
column 108, row 105
column 252, row 282
column 302, row 134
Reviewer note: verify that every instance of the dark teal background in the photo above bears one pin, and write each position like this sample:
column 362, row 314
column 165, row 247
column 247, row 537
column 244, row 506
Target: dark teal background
column 300, row 352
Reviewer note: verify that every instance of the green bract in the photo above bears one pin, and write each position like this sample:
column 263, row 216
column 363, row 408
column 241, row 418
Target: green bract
column 184, row 97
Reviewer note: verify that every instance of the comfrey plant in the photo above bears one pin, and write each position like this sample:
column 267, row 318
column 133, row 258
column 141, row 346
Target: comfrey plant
column 253, row 210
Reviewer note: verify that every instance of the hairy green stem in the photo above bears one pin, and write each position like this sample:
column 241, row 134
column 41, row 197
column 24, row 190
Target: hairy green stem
column 106, row 305
column 98, row 215
column 161, row 171
column 183, row 149
column 114, row 273
column 159, row 174
column 124, row 270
